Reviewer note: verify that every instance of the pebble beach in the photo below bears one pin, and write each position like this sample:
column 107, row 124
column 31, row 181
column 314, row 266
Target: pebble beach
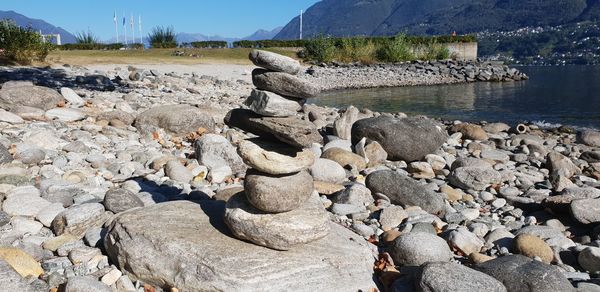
column 224, row 178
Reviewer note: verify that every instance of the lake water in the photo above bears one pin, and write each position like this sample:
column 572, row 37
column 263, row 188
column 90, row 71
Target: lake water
column 567, row 95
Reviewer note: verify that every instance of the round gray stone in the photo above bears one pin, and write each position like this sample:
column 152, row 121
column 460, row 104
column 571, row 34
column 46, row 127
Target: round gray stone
column 446, row 276
column 415, row 249
column 277, row 193
column 120, row 200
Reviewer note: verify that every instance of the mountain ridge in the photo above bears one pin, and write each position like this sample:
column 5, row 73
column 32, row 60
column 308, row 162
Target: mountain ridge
column 38, row 25
column 430, row 17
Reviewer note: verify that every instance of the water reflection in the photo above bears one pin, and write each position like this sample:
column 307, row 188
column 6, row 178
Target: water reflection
column 568, row 95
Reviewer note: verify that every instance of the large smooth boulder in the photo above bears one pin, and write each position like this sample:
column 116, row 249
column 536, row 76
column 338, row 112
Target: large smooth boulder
column 407, row 139
column 277, row 193
column 85, row 284
column 192, row 249
column 520, row 273
column 271, row 104
column 76, row 220
column 282, row 231
column 417, row 248
column 284, row 84
column 403, row 190
column 474, row 178
column 274, row 158
column 446, row 276
column 586, row 211
column 470, row 131
column 559, row 164
column 589, row 137
column 275, row 62
column 215, row 151
column 344, row 157
column 32, row 96
column 176, row 119
column 291, row 130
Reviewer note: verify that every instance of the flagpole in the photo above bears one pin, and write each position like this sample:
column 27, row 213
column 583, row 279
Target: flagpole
column 125, row 27
column 132, row 30
column 116, row 25
column 140, row 27
column 301, row 12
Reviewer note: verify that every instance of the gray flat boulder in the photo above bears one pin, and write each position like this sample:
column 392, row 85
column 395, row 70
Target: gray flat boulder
column 76, row 220
column 174, row 119
column 32, row 96
column 215, row 151
column 275, row 62
column 586, row 211
column 403, row 190
column 474, row 178
column 284, row 84
column 192, row 249
column 407, row 139
column 290, row 130
column 520, row 273
column 10, row 280
column 446, row 276
column 271, row 104
column 282, row 231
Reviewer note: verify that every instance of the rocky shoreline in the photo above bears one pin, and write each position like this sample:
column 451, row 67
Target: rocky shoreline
column 358, row 76
column 140, row 180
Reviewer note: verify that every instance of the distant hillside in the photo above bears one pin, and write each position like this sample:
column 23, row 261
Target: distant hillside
column 262, row 34
column 38, row 24
column 389, row 17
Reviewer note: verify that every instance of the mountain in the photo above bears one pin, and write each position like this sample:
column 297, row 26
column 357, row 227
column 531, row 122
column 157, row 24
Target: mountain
column 262, row 34
column 390, row 17
column 38, row 25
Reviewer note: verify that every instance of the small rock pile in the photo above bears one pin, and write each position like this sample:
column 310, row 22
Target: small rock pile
column 279, row 208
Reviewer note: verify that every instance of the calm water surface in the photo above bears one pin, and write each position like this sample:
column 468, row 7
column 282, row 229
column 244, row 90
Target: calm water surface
column 563, row 95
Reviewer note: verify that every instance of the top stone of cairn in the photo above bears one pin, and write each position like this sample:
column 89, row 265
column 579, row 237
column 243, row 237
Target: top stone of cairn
column 275, row 62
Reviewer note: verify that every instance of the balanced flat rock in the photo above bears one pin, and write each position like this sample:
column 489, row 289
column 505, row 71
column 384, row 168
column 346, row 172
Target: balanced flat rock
column 192, row 249
column 275, row 62
column 284, row 84
column 291, row 130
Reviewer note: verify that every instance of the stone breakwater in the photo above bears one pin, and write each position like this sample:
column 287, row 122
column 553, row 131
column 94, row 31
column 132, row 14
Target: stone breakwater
column 139, row 180
column 355, row 76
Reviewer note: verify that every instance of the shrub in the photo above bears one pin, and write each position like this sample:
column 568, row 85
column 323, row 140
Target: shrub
column 209, row 44
column 320, row 49
column 22, row 45
column 96, row 46
column 86, row 38
column 355, row 50
column 162, row 37
column 397, row 49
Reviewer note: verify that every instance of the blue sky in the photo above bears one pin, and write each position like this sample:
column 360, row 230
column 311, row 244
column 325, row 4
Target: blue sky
column 229, row 18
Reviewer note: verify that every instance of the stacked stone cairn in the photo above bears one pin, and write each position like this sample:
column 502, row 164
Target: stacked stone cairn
column 279, row 208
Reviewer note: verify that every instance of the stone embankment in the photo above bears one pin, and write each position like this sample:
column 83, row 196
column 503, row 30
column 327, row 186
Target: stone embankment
column 346, row 76
column 136, row 180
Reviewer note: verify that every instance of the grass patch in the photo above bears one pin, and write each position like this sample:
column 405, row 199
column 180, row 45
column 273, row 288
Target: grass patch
column 158, row 56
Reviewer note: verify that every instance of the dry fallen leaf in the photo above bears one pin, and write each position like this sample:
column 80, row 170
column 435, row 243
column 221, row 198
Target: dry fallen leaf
column 149, row 288
column 155, row 135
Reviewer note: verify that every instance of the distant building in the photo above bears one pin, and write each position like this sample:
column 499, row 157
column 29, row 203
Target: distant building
column 51, row 38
